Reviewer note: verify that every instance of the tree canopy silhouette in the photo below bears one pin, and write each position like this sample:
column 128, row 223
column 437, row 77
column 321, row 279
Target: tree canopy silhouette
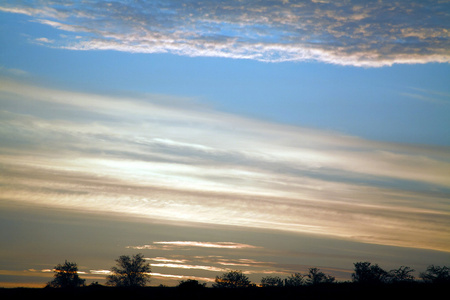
column 402, row 274
column 315, row 276
column 294, row 280
column 366, row 273
column 436, row 274
column 232, row 279
column 66, row 276
column 271, row 281
column 130, row 272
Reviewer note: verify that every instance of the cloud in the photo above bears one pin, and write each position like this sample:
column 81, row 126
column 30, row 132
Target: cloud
column 222, row 245
column 187, row 163
column 176, row 245
column 428, row 96
column 213, row 263
column 359, row 33
column 44, row 40
column 167, row 260
column 13, row 72
column 222, row 263
column 193, row 267
column 100, row 272
column 183, row 277
column 47, row 270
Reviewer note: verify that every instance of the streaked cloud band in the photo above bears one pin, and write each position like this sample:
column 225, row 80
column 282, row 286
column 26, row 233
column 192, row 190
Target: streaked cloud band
column 190, row 163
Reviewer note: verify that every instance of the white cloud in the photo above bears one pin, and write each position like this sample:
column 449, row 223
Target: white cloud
column 46, row 270
column 44, row 40
column 100, row 272
column 348, row 33
column 223, row 245
column 167, row 260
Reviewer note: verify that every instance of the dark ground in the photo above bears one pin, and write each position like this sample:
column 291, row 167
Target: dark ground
column 333, row 291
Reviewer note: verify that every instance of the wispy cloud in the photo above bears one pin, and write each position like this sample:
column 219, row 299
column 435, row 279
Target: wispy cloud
column 360, row 33
column 44, row 40
column 13, row 72
column 188, row 162
column 192, row 267
column 182, row 277
column 225, row 245
column 213, row 263
column 220, row 264
column 436, row 97
column 167, row 260
column 100, row 272
column 174, row 245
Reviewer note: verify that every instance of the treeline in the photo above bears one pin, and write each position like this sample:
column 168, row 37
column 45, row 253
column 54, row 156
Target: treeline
column 136, row 272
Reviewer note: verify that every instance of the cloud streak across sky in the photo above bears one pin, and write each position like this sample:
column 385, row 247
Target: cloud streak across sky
column 358, row 33
column 143, row 156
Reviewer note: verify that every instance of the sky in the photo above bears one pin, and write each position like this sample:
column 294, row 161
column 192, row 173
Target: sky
column 262, row 136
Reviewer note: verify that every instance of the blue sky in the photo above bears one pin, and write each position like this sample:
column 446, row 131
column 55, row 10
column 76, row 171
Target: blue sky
column 313, row 123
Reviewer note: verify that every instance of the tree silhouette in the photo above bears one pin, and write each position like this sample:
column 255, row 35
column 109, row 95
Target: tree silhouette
column 402, row 274
column 436, row 274
column 130, row 272
column 315, row 276
column 232, row 279
column 66, row 276
column 271, row 281
column 294, row 280
column 367, row 273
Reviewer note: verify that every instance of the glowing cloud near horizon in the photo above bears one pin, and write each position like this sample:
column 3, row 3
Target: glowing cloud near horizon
column 226, row 245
